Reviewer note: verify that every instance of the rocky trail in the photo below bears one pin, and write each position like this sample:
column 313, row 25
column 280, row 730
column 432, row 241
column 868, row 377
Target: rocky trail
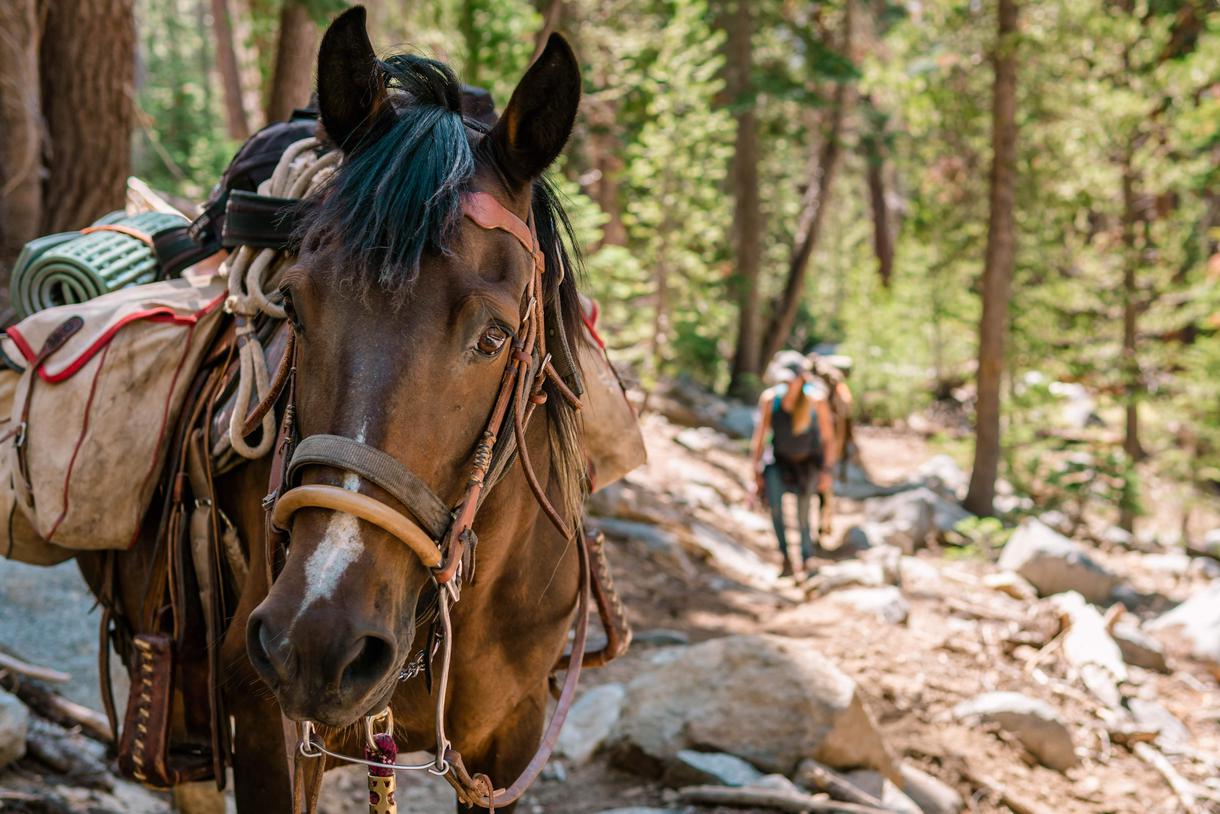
column 919, row 668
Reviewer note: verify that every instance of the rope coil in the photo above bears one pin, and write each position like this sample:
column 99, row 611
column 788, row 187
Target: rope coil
column 250, row 271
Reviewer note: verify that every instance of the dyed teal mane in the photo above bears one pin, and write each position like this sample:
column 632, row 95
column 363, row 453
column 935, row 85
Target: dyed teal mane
column 398, row 194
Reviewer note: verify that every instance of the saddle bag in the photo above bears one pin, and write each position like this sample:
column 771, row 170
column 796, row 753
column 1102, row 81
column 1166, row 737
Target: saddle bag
column 92, row 392
column 613, row 443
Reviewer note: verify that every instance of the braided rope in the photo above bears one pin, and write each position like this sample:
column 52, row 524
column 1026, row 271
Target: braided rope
column 250, row 271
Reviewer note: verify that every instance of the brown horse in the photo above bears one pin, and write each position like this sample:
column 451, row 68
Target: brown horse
column 406, row 315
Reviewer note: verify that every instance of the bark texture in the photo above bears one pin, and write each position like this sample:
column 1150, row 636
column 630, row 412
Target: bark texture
column 295, row 51
column 21, row 144
column 747, row 208
column 230, row 71
column 997, row 271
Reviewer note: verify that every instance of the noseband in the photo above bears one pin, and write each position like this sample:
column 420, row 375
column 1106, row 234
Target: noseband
column 442, row 537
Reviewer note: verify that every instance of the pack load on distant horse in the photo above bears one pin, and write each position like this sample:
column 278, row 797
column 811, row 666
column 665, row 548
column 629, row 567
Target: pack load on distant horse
column 351, row 466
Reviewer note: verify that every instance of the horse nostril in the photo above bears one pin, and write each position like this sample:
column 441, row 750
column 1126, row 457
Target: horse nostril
column 263, row 654
column 372, row 661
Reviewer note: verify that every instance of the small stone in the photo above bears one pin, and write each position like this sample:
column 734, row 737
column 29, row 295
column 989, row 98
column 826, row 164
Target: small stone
column 1011, row 584
column 1194, row 627
column 590, row 722
column 1054, row 564
column 892, row 798
column 1035, row 724
column 14, row 723
column 887, row 604
column 1138, row 648
column 776, row 782
column 660, row 637
column 717, row 768
column 931, row 794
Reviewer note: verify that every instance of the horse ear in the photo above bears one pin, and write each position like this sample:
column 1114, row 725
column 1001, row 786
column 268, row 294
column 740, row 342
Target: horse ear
column 352, row 95
column 538, row 120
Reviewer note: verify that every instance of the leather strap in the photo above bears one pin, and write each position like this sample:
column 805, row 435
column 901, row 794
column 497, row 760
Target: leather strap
column 260, row 221
column 143, row 237
column 320, row 496
column 380, row 468
column 487, row 212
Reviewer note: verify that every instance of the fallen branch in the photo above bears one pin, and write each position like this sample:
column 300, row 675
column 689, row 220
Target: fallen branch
column 768, row 798
column 44, row 701
column 15, row 665
column 1186, row 791
column 814, row 775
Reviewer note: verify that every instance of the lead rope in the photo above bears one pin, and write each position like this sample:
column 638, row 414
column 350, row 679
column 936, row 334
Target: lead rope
column 299, row 173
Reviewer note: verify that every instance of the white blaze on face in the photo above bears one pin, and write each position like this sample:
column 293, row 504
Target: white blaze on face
column 340, row 547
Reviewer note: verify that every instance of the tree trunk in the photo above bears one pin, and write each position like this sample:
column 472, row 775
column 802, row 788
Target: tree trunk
column 21, row 146
column 88, row 58
column 230, row 72
column 552, row 14
column 747, row 208
column 292, row 77
column 813, row 210
column 997, row 271
column 874, row 156
column 1132, row 385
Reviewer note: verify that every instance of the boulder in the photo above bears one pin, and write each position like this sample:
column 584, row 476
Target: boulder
column 889, row 793
column 887, row 604
column 1088, row 647
column 914, row 515
column 1138, row 648
column 849, row 574
column 14, row 723
column 1034, row 723
column 917, row 576
column 1211, row 544
column 691, row 768
column 1057, row 520
column 860, row 538
column 654, row 538
column 737, row 421
column 728, row 555
column 1154, row 716
column 931, row 794
column 1194, row 627
column 590, row 722
column 767, row 699
column 1053, row 564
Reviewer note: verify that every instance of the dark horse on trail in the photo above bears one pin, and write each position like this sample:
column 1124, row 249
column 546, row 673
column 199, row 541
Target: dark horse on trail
column 415, row 302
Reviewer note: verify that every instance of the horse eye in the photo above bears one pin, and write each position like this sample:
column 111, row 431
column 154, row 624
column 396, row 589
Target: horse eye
column 290, row 309
column 492, row 340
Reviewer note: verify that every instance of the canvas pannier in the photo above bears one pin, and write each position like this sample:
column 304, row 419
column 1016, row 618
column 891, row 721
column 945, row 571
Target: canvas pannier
column 613, row 443
column 89, row 413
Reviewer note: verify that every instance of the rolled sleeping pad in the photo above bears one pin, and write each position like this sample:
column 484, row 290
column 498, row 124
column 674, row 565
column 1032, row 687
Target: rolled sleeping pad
column 73, row 267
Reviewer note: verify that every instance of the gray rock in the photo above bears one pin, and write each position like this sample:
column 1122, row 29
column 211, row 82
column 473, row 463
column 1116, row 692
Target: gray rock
column 660, row 637
column 1119, row 538
column 729, row 555
column 943, row 476
column 653, row 537
column 860, row 538
column 931, row 794
column 891, row 796
column 738, row 421
column 717, row 768
column 887, row 604
column 14, row 723
column 590, row 722
column 1194, row 627
column 641, row 810
column 914, row 516
column 1035, row 724
column 849, row 574
column 1054, row 564
column 918, row 576
column 770, row 700
column 1138, row 648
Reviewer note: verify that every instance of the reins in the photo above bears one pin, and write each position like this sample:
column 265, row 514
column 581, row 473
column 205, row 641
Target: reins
column 443, row 539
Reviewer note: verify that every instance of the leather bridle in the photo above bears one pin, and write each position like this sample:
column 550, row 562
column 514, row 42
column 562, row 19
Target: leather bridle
column 443, row 538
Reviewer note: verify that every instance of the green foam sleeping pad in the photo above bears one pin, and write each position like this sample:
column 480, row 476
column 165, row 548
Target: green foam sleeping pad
column 71, row 267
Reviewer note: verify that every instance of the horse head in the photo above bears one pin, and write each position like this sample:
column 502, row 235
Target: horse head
column 407, row 312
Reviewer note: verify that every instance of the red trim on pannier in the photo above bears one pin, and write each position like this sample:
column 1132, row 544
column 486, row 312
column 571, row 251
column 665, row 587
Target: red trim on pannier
column 158, row 314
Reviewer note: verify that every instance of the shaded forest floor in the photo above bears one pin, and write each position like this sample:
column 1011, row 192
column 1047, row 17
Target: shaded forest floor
column 960, row 638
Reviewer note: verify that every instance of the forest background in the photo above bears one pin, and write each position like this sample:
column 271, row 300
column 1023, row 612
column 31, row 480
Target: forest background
column 1006, row 212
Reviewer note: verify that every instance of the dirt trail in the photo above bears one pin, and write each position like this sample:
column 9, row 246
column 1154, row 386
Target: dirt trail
column 719, row 578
